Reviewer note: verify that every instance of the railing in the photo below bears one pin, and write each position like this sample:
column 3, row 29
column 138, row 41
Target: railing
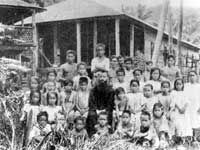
column 16, row 35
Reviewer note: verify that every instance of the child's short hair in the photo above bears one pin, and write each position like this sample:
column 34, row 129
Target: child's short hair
column 81, row 64
column 49, row 94
column 42, row 113
column 146, row 113
column 127, row 112
column 135, row 81
column 70, row 52
column 120, row 70
column 128, row 59
column 103, row 113
column 149, row 85
column 113, row 57
column 101, row 45
column 119, row 90
column 137, row 69
column 79, row 118
column 171, row 56
column 165, row 82
column 52, row 71
column 67, row 82
column 83, row 80
column 32, row 94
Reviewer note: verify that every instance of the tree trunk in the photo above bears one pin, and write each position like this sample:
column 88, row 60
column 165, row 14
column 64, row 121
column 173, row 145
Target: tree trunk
column 180, row 28
column 161, row 28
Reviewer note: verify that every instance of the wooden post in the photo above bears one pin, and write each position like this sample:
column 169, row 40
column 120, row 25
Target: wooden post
column 94, row 38
column 35, row 41
column 78, row 41
column 55, row 44
column 117, row 36
column 180, row 35
column 132, row 40
column 170, row 36
column 159, row 37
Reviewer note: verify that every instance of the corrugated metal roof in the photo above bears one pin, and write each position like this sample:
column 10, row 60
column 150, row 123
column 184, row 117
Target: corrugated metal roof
column 73, row 9
column 79, row 9
column 17, row 3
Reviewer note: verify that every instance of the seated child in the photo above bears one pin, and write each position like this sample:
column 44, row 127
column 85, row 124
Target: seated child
column 149, row 99
column 146, row 130
column 32, row 108
column 79, row 134
column 160, row 121
column 125, row 129
column 102, row 128
column 41, row 129
column 52, row 107
column 121, row 104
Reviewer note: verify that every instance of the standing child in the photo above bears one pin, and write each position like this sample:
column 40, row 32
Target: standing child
column 79, row 134
column 128, row 69
column 135, row 97
column 165, row 98
column 192, row 90
column 113, row 68
column 147, row 71
column 101, row 61
column 68, row 70
column 80, row 99
column 149, row 99
column 65, row 94
column 182, row 110
column 121, row 62
column 82, row 72
column 155, row 79
column 41, row 129
column 121, row 80
column 32, row 108
column 52, row 107
column 51, row 77
column 138, row 75
column 33, row 86
column 125, row 129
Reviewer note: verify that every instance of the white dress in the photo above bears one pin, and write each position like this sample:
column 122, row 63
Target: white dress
column 193, row 92
column 52, row 112
column 182, row 121
column 156, row 85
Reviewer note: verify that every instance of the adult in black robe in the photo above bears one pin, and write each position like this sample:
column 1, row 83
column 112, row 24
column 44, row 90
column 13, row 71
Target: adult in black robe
column 101, row 98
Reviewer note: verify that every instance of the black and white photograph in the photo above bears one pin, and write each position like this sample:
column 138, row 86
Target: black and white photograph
column 99, row 74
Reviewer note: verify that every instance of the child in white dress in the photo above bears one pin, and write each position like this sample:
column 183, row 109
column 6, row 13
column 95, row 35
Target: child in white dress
column 31, row 109
column 192, row 90
column 52, row 107
column 155, row 78
column 149, row 99
column 182, row 106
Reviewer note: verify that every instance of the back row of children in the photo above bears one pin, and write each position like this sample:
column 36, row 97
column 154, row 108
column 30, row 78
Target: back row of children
column 145, row 100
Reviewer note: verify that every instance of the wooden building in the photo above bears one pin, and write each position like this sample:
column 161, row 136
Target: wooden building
column 81, row 24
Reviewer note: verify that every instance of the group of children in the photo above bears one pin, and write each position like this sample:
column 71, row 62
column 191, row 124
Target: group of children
column 151, row 106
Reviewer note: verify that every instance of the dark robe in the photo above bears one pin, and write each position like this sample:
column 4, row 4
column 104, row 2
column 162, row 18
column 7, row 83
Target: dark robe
column 101, row 98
